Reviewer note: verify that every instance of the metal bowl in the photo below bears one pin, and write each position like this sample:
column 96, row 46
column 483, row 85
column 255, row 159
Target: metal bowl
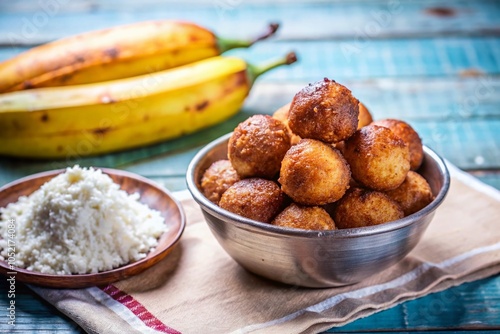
column 315, row 258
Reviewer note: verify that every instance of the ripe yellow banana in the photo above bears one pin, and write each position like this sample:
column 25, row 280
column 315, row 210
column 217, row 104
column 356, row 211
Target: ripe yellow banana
column 75, row 121
column 115, row 53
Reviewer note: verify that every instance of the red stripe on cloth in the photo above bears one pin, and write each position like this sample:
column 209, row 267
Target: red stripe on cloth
column 138, row 309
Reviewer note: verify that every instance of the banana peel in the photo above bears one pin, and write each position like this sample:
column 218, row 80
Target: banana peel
column 115, row 53
column 91, row 119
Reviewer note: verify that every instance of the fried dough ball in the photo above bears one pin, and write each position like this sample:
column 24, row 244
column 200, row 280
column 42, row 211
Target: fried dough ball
column 217, row 179
column 364, row 117
column 413, row 194
column 363, row 207
column 378, row 158
column 255, row 198
column 282, row 115
column 257, row 146
column 314, row 173
column 304, row 217
column 410, row 136
column 325, row 111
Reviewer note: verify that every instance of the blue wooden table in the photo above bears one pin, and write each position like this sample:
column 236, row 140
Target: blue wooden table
column 435, row 64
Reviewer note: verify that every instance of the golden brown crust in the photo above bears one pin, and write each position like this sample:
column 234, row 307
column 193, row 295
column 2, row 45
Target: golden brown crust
column 321, row 145
column 282, row 115
column 257, row 146
column 364, row 117
column 254, row 198
column 378, row 158
column 363, row 207
column 217, row 179
column 325, row 111
column 413, row 194
column 410, row 136
column 304, row 217
column 314, row 173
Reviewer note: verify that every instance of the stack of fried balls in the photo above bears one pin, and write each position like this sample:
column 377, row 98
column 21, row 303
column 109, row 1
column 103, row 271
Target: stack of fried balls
column 320, row 163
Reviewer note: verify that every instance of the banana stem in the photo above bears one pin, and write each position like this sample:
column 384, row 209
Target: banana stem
column 254, row 71
column 226, row 44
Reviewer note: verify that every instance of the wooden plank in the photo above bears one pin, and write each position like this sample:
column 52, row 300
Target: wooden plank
column 459, row 118
column 33, row 314
column 444, row 310
column 351, row 60
column 438, row 99
column 171, row 158
column 33, row 22
column 491, row 178
column 472, row 144
column 456, row 141
column 448, row 118
column 468, row 144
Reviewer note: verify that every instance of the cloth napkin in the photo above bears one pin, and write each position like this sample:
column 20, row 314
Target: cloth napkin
column 198, row 288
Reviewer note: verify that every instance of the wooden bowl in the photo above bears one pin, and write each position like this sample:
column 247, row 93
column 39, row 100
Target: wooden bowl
column 150, row 194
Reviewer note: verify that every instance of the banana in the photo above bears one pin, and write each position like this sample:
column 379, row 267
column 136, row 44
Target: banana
column 115, row 53
column 82, row 120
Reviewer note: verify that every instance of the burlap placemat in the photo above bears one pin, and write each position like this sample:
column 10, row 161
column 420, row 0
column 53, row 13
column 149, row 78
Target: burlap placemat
column 198, row 288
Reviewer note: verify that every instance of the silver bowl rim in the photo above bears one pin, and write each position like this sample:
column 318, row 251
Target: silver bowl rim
column 265, row 228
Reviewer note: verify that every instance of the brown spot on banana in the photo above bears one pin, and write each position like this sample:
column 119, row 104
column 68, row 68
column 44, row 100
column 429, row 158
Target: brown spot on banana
column 66, row 77
column 78, row 59
column 44, row 118
column 238, row 79
column 194, row 38
column 202, row 105
column 112, row 52
column 27, row 84
column 101, row 131
column 242, row 79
